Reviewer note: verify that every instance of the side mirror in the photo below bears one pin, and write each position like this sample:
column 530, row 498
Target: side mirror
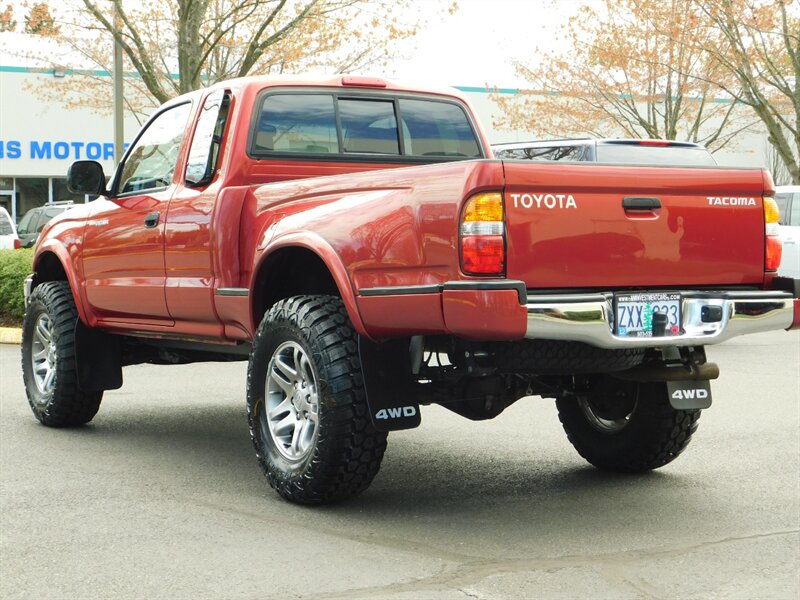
column 86, row 177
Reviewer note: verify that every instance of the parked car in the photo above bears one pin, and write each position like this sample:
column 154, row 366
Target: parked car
column 36, row 218
column 624, row 151
column 788, row 199
column 8, row 233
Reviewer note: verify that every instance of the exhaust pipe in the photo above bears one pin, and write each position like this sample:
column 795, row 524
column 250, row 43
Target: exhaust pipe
column 704, row 372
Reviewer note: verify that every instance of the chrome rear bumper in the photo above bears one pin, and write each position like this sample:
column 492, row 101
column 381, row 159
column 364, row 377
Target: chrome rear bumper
column 590, row 318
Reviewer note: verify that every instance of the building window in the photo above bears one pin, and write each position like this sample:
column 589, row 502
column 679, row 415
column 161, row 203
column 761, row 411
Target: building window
column 31, row 192
column 61, row 193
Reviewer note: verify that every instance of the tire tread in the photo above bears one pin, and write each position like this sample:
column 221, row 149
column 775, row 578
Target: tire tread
column 353, row 449
column 662, row 434
column 69, row 405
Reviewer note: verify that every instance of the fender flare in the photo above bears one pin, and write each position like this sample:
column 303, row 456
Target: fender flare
column 61, row 253
column 330, row 258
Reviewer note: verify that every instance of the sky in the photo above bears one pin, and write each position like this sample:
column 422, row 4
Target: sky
column 479, row 43
column 474, row 47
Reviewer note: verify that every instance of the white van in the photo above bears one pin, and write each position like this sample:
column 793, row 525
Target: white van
column 788, row 199
column 8, row 233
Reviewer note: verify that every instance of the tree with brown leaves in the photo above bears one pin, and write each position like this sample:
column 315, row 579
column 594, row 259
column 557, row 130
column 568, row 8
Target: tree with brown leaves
column 755, row 46
column 175, row 46
column 39, row 21
column 631, row 70
column 7, row 22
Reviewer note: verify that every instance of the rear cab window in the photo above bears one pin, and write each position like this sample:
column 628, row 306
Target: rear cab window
column 338, row 125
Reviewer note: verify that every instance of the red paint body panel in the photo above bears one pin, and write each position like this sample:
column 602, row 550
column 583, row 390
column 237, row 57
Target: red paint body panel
column 395, row 316
column 595, row 243
column 485, row 315
column 123, row 262
column 188, row 258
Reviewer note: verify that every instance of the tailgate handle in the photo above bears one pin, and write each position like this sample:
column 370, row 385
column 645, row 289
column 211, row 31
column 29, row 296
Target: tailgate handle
column 640, row 203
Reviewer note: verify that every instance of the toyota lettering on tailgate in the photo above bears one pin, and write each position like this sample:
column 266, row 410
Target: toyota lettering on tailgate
column 544, row 201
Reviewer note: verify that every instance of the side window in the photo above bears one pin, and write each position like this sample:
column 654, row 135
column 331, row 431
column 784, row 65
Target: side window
column 26, row 224
column 303, row 123
column 555, row 153
column 42, row 220
column 151, row 163
column 205, row 149
column 783, row 200
column 795, row 218
column 436, row 129
column 369, row 126
column 5, row 225
column 516, row 154
column 46, row 216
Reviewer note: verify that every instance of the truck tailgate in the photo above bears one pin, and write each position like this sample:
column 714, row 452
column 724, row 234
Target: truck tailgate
column 599, row 226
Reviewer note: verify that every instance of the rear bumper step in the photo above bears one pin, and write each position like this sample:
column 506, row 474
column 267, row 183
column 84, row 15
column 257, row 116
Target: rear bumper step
column 589, row 318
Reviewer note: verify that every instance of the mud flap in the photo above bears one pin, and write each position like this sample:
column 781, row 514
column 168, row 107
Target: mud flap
column 387, row 372
column 689, row 395
column 98, row 358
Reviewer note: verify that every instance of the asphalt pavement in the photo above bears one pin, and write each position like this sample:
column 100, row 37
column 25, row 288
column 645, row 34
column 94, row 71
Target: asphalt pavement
column 161, row 497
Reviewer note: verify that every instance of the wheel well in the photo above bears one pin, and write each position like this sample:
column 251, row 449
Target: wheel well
column 49, row 268
column 290, row 272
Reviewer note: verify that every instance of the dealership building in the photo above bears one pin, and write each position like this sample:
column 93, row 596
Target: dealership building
column 40, row 136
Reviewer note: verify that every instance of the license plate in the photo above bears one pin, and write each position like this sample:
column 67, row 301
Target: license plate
column 635, row 313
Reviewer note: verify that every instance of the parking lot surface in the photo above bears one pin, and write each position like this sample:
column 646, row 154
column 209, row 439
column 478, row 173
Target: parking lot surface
column 161, row 497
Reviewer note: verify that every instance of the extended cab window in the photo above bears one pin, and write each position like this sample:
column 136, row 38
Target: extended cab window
column 151, row 163
column 346, row 124
column 205, row 149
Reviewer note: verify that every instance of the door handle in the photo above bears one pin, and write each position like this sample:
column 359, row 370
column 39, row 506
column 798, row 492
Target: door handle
column 640, row 203
column 151, row 220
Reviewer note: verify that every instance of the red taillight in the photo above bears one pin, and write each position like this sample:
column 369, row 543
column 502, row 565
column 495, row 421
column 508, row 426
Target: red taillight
column 483, row 254
column 773, row 249
column 653, row 142
column 17, row 245
column 772, row 259
column 483, row 235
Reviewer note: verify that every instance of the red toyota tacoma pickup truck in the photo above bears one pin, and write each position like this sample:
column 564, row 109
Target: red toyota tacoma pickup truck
column 356, row 242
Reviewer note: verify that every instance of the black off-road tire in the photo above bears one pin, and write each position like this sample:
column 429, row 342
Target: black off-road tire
column 548, row 357
column 653, row 436
column 60, row 403
column 346, row 451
